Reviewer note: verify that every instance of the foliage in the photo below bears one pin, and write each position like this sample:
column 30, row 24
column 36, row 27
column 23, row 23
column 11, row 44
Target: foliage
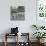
column 39, row 35
column 40, row 27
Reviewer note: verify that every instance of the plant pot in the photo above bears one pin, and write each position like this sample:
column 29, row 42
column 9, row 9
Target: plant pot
column 40, row 41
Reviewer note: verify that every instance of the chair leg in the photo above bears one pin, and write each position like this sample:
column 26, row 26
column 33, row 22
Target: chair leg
column 5, row 40
column 5, row 43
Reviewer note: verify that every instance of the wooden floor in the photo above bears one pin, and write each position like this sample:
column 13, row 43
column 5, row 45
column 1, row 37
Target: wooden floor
column 13, row 44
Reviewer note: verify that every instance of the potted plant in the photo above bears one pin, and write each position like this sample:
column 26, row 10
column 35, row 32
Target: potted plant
column 39, row 35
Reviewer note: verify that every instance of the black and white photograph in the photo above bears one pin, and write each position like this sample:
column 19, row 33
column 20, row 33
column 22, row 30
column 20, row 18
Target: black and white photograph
column 18, row 13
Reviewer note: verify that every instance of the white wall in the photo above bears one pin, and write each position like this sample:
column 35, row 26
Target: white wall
column 30, row 8
column 30, row 15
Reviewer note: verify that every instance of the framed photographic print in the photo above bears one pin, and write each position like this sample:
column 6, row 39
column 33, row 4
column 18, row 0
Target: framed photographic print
column 17, row 13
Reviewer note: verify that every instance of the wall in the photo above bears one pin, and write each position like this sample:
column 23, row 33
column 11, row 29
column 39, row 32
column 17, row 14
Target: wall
column 24, row 26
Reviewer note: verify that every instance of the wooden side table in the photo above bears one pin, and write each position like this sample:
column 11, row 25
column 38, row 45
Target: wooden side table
column 8, row 34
